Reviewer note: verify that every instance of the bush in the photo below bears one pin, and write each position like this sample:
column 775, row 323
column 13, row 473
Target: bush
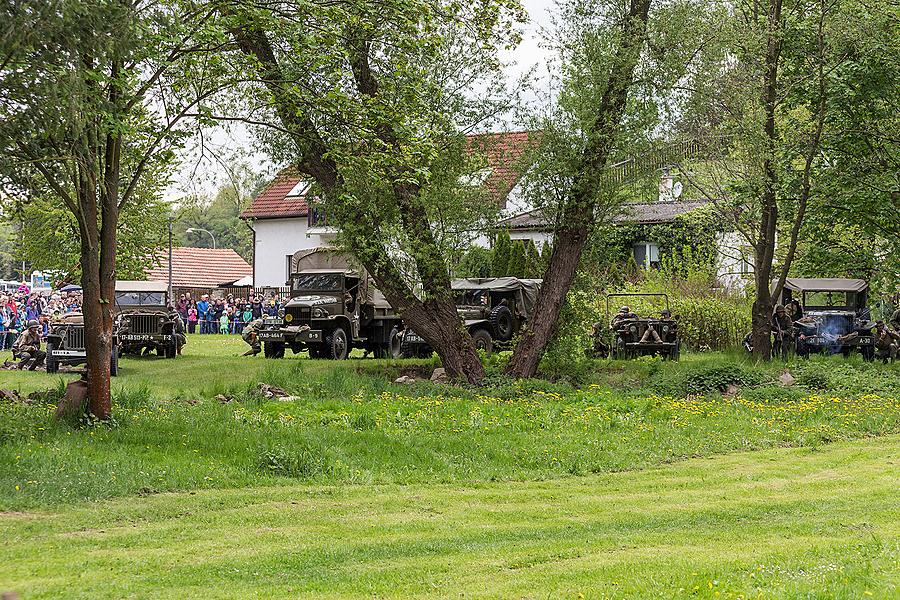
column 303, row 463
column 705, row 378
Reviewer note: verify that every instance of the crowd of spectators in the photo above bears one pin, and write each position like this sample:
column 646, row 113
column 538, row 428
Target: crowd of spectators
column 23, row 305
column 227, row 315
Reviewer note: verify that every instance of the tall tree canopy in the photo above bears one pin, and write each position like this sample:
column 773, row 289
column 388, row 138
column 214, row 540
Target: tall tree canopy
column 368, row 101
column 92, row 98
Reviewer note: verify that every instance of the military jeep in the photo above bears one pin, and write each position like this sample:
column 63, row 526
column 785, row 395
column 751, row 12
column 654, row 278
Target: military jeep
column 626, row 332
column 494, row 310
column 835, row 318
column 334, row 308
column 144, row 321
column 66, row 344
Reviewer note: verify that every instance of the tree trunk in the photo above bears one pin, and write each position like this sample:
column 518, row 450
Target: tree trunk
column 765, row 244
column 97, row 321
column 578, row 211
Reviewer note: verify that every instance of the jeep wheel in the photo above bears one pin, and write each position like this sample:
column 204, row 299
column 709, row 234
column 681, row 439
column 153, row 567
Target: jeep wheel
column 113, row 361
column 483, row 341
column 51, row 363
column 502, row 322
column 336, row 346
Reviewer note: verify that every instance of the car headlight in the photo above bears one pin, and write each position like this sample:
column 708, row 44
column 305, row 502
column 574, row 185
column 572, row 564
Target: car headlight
column 632, row 329
column 319, row 313
column 281, row 313
column 665, row 329
column 288, row 318
column 162, row 320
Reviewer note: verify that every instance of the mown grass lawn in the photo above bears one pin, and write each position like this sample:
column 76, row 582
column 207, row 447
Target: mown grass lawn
column 782, row 523
column 355, row 485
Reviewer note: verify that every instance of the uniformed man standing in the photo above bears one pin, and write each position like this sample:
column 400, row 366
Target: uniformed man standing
column 783, row 328
column 250, row 336
column 894, row 321
column 28, row 347
column 886, row 342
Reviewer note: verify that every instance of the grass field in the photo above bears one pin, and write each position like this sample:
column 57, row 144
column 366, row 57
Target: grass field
column 355, row 485
column 784, row 523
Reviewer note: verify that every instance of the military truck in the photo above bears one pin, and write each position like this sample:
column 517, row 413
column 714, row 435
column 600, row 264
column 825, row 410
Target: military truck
column 144, row 321
column 626, row 332
column 334, row 308
column 66, row 345
column 492, row 309
column 835, row 318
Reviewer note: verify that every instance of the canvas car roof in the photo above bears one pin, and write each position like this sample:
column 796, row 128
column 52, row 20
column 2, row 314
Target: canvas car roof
column 124, row 285
column 335, row 270
column 527, row 288
column 796, row 284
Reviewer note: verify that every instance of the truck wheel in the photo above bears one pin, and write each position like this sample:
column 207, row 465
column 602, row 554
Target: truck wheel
column 336, row 345
column 407, row 348
column 114, row 361
column 51, row 363
column 483, row 341
column 502, row 323
column 395, row 345
column 273, row 349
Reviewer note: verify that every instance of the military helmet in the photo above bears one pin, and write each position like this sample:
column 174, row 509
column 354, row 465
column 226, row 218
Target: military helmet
column 625, row 310
column 779, row 308
column 666, row 312
column 32, row 324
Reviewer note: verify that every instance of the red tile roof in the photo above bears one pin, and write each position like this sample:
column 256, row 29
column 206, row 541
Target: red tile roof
column 505, row 156
column 503, row 153
column 274, row 202
column 200, row 267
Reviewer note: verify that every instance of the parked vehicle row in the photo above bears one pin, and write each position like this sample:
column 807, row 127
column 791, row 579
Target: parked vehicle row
column 143, row 323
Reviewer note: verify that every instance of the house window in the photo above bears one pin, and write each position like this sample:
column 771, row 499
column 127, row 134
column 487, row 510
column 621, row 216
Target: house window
column 646, row 254
column 287, row 267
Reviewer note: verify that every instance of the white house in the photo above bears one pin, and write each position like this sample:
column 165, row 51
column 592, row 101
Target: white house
column 283, row 221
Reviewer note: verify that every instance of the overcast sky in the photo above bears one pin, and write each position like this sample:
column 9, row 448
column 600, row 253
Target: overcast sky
column 204, row 176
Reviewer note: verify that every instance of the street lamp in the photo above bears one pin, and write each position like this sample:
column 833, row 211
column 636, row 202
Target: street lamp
column 198, row 229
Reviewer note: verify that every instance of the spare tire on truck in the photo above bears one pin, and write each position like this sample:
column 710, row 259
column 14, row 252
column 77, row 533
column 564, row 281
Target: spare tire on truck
column 502, row 323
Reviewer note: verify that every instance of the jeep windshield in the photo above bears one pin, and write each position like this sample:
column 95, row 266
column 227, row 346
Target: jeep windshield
column 829, row 300
column 320, row 282
column 140, row 298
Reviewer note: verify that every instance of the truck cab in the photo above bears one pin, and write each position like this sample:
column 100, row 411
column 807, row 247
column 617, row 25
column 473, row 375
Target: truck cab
column 332, row 310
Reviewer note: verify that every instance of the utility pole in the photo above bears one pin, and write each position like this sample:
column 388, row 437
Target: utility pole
column 171, row 218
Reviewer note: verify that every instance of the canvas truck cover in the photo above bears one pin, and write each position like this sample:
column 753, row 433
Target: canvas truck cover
column 327, row 259
column 527, row 288
column 825, row 285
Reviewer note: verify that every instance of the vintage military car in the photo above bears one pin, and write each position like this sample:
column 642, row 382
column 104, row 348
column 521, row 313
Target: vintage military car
column 493, row 310
column 144, row 321
column 627, row 332
column 835, row 318
column 334, row 308
column 66, row 344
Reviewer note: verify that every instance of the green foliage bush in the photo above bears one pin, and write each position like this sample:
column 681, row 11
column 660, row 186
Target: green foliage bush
column 301, row 462
column 704, row 378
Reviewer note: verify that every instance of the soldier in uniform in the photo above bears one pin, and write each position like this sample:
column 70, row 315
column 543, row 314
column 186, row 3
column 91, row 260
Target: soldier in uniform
column 894, row 321
column 27, row 348
column 180, row 337
column 599, row 348
column 250, row 336
column 783, row 328
column 886, row 342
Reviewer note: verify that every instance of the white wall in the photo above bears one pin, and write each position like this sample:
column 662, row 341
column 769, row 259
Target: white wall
column 538, row 237
column 276, row 239
column 734, row 263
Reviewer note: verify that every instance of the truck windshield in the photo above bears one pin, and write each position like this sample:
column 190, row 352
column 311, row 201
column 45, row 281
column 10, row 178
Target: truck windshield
column 140, row 298
column 317, row 281
column 829, row 299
